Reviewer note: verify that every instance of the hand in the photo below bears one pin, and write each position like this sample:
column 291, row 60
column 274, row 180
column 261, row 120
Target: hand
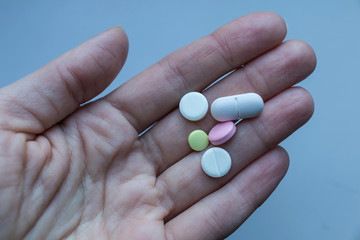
column 80, row 171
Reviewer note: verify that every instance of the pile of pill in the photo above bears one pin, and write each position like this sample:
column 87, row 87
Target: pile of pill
column 216, row 161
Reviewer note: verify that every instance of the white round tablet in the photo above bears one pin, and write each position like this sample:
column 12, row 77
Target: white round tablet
column 216, row 162
column 193, row 106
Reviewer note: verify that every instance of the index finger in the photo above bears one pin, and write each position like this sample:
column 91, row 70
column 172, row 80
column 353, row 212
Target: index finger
column 155, row 92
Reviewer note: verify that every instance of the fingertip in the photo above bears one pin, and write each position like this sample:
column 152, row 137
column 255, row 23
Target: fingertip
column 264, row 175
column 301, row 54
column 268, row 22
column 272, row 166
column 282, row 160
column 121, row 36
column 259, row 31
column 306, row 101
column 115, row 43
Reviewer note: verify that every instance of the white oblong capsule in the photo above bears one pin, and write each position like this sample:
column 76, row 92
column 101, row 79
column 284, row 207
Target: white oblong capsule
column 236, row 107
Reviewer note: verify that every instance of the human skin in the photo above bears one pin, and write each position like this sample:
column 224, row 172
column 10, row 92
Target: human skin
column 80, row 171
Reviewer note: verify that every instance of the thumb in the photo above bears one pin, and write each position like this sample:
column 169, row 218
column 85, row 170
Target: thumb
column 48, row 95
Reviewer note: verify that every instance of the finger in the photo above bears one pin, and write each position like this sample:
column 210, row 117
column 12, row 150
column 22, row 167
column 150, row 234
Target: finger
column 267, row 75
column 186, row 183
column 156, row 91
column 222, row 212
column 51, row 93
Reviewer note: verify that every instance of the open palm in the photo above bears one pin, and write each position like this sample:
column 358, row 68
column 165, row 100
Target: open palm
column 81, row 171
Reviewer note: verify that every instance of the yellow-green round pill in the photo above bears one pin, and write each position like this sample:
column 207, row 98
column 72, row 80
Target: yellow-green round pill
column 198, row 140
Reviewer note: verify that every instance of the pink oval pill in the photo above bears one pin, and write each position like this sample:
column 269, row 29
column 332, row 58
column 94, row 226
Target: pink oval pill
column 222, row 132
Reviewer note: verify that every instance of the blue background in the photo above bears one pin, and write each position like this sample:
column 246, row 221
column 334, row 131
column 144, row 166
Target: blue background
column 320, row 196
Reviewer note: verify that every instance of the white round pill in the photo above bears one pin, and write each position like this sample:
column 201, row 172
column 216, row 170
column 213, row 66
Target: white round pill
column 216, row 162
column 193, row 106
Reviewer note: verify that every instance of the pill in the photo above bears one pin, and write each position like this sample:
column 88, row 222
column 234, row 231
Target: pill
column 222, row 132
column 193, row 106
column 198, row 140
column 216, row 162
column 235, row 107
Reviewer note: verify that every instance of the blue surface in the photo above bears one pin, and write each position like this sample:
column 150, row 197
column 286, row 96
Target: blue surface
column 320, row 196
